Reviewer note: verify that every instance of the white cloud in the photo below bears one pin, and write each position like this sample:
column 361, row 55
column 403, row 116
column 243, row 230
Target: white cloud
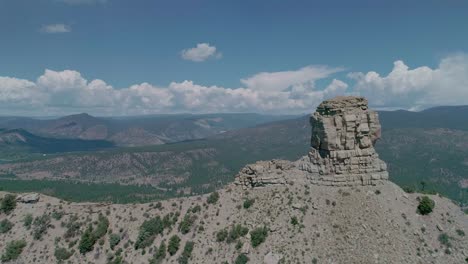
column 55, row 28
column 62, row 92
column 201, row 52
column 66, row 92
column 279, row 81
column 417, row 88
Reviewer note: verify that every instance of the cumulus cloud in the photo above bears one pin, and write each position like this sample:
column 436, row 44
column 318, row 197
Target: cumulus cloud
column 60, row 92
column 201, row 52
column 66, row 92
column 416, row 88
column 55, row 28
column 279, row 81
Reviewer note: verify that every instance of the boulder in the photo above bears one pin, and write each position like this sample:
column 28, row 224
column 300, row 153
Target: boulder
column 28, row 198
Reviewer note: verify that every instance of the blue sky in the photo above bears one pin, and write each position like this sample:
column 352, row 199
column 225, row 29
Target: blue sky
column 146, row 44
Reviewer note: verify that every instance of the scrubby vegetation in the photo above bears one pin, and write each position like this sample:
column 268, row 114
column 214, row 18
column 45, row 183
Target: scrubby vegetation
column 148, row 231
column 160, row 254
column 8, row 203
column 187, row 223
column 91, row 235
column 426, row 205
column 114, row 240
column 236, row 232
column 62, row 253
column 187, row 253
column 27, row 221
column 174, row 244
column 40, row 226
column 241, row 259
column 221, row 235
column 258, row 236
column 5, row 226
column 248, row 203
column 213, row 198
column 13, row 250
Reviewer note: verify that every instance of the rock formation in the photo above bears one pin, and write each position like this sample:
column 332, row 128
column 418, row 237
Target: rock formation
column 342, row 152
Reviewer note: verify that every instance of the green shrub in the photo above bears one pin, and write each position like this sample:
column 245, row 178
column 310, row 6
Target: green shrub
column 40, row 226
column 248, row 203
column 114, row 240
column 426, row 205
column 409, row 189
column 13, row 250
column 196, row 209
column 62, row 253
column 174, row 244
column 8, row 203
column 236, row 232
column 258, row 236
column 148, row 231
column 444, row 239
column 27, row 221
column 73, row 227
column 241, row 259
column 87, row 241
column 221, row 235
column 460, row 232
column 187, row 253
column 186, row 223
column 57, row 215
column 294, row 221
column 213, row 198
column 160, row 254
column 5, row 226
column 101, row 227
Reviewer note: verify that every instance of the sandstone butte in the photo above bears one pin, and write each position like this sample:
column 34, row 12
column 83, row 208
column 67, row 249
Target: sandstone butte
column 334, row 205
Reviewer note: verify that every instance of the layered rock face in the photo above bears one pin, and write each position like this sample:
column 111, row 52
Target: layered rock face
column 342, row 152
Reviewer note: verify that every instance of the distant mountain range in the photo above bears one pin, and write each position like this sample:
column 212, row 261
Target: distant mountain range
column 424, row 150
column 136, row 131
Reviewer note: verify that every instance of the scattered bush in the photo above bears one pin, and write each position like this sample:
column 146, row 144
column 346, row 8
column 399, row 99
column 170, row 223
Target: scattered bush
column 248, row 203
column 294, row 221
column 62, row 253
column 236, row 232
column 87, row 241
column 409, row 189
column 221, row 235
column 460, row 232
column 27, row 221
column 5, row 226
column 160, row 254
column 258, row 236
column 213, row 198
column 426, row 205
column 8, row 203
column 444, row 239
column 187, row 253
column 13, row 250
column 102, row 226
column 196, row 209
column 57, row 215
column 114, row 240
column 241, row 259
column 148, row 231
column 73, row 227
column 186, row 223
column 40, row 226
column 174, row 244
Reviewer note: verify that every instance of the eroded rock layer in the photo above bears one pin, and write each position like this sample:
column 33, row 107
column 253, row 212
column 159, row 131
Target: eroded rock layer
column 342, row 152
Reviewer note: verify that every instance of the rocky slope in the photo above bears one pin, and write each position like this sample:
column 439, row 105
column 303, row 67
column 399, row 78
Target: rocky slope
column 319, row 209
